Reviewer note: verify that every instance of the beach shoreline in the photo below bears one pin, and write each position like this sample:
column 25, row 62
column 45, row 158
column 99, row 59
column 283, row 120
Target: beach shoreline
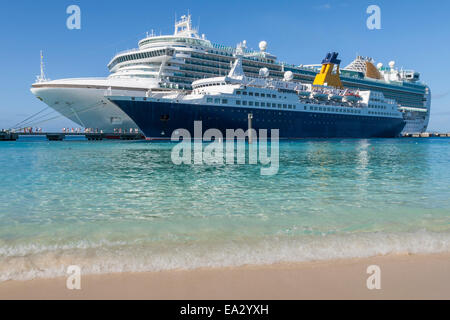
column 403, row 276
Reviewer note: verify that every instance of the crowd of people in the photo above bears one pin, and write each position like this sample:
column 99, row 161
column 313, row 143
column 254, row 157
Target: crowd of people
column 118, row 130
column 75, row 130
column 72, row 130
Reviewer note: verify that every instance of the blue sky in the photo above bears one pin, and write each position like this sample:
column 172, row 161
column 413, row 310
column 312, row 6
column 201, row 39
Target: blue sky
column 416, row 34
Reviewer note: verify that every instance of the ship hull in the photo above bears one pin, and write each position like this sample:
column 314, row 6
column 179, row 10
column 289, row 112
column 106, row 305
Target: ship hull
column 159, row 120
column 83, row 101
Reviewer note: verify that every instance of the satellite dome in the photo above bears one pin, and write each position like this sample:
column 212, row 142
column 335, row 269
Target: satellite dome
column 379, row 65
column 264, row 72
column 392, row 64
column 288, row 76
column 263, row 46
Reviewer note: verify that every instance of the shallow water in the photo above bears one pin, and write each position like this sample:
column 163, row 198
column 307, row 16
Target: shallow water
column 124, row 206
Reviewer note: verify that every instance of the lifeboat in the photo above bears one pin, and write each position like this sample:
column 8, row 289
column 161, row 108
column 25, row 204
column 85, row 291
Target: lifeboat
column 335, row 97
column 352, row 97
column 319, row 95
column 304, row 94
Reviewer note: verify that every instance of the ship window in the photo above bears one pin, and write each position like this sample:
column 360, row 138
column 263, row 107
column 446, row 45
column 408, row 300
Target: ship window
column 263, row 95
column 244, row 93
column 238, row 92
column 250, row 93
column 224, row 101
column 238, row 102
column 216, row 100
column 284, row 106
column 263, row 104
column 274, row 105
column 210, row 100
column 279, row 105
column 250, row 103
column 274, row 96
column 257, row 104
column 244, row 103
column 256, row 94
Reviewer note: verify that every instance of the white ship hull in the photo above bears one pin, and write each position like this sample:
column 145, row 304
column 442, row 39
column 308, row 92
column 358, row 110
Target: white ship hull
column 418, row 123
column 83, row 101
column 415, row 126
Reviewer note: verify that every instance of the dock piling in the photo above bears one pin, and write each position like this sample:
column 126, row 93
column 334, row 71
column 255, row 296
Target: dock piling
column 8, row 136
column 94, row 136
column 55, row 136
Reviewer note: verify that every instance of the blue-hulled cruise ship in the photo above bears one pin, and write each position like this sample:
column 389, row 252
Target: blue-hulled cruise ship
column 324, row 109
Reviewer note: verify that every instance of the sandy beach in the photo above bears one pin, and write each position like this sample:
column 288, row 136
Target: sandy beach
column 402, row 277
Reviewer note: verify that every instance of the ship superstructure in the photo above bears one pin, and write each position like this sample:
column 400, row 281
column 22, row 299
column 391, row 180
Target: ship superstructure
column 298, row 110
column 173, row 62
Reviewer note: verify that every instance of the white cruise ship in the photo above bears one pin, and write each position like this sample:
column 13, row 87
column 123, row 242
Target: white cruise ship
column 173, row 62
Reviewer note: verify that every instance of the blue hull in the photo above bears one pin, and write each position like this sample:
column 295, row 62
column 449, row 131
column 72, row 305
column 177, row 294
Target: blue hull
column 161, row 119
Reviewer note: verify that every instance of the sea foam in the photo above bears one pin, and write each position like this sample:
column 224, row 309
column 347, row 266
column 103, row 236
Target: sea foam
column 30, row 262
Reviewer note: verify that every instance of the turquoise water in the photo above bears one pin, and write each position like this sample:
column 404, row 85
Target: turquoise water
column 124, row 206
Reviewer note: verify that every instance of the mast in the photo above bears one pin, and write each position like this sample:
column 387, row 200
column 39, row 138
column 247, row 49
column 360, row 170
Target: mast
column 42, row 77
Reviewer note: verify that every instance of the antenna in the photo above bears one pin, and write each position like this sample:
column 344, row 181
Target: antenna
column 41, row 77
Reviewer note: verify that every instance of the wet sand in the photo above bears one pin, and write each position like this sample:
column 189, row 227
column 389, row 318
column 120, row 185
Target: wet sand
column 402, row 277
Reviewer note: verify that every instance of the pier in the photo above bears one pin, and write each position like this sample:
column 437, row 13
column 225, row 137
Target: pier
column 426, row 135
column 56, row 136
column 8, row 136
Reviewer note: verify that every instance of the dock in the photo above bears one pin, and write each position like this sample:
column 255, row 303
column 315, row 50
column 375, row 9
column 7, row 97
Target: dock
column 57, row 136
column 426, row 135
column 8, row 136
